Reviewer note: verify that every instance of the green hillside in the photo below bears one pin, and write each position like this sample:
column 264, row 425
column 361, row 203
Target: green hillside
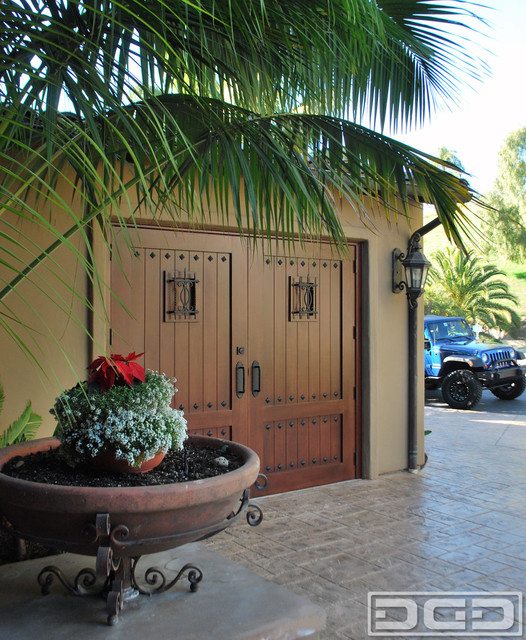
column 515, row 275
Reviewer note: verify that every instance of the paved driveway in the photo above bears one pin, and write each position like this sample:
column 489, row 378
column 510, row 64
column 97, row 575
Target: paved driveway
column 458, row 525
column 493, row 422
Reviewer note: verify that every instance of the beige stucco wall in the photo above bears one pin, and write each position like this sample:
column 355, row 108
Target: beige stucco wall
column 385, row 344
column 63, row 350
column 56, row 343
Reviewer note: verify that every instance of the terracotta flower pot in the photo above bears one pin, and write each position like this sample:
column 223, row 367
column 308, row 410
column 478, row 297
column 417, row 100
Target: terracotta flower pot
column 142, row 520
column 107, row 461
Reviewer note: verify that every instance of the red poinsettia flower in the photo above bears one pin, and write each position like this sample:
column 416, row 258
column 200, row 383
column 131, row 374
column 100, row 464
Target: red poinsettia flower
column 106, row 371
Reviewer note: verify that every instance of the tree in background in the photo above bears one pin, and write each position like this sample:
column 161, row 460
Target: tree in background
column 506, row 223
column 451, row 156
column 460, row 284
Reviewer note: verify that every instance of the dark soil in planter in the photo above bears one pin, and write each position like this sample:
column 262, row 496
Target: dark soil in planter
column 49, row 467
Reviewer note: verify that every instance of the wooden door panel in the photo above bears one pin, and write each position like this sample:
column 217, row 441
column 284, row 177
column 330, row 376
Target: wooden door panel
column 299, row 320
column 176, row 307
column 198, row 305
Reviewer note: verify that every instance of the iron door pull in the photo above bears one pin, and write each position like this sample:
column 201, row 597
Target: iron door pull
column 240, row 379
column 256, row 378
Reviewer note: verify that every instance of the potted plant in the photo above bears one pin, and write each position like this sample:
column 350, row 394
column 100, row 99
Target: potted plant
column 122, row 412
column 120, row 418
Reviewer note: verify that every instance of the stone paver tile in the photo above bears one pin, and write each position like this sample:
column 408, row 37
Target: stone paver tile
column 316, row 554
column 488, row 565
column 516, row 551
column 509, row 561
column 454, row 581
column 465, row 556
column 458, row 541
column 403, row 577
column 512, row 575
column 500, row 520
column 341, row 568
column 440, row 566
column 500, row 540
column 422, row 550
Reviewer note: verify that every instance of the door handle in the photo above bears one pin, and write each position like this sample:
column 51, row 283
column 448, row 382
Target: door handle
column 256, row 378
column 240, row 379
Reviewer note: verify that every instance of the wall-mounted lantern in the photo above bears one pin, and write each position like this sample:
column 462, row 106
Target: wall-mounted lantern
column 410, row 271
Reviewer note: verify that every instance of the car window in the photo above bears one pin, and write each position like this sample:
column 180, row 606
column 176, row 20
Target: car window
column 447, row 329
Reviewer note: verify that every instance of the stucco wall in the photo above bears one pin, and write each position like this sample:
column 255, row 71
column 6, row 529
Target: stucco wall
column 63, row 350
column 55, row 344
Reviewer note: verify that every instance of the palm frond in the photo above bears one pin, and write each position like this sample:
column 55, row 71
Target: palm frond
column 178, row 105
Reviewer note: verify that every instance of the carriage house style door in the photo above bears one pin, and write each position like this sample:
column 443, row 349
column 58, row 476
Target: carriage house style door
column 264, row 348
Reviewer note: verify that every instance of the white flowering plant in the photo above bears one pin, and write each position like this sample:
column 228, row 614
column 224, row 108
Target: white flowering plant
column 121, row 409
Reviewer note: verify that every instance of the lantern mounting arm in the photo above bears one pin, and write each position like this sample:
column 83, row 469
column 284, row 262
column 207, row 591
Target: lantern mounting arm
column 417, row 235
column 409, row 270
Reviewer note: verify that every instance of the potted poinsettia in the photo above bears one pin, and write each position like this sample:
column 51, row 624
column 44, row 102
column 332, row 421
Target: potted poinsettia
column 121, row 417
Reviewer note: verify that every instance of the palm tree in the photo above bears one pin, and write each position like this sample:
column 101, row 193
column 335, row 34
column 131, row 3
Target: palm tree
column 461, row 285
column 256, row 105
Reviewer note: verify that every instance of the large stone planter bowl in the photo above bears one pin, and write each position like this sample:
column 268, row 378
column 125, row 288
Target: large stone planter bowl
column 135, row 520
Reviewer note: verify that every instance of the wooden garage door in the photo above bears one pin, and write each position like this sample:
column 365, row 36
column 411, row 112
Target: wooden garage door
column 302, row 360
column 263, row 347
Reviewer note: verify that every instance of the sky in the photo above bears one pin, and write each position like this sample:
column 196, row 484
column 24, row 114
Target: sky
column 490, row 110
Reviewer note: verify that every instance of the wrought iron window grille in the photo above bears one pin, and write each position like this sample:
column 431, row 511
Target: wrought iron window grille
column 303, row 298
column 180, row 296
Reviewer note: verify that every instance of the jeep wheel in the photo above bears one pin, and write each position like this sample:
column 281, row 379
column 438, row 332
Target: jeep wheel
column 461, row 389
column 510, row 391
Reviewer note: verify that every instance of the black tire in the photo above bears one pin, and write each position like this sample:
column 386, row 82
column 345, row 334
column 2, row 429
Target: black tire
column 510, row 391
column 461, row 389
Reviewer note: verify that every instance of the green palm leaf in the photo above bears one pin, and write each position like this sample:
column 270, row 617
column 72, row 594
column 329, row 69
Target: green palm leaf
column 174, row 104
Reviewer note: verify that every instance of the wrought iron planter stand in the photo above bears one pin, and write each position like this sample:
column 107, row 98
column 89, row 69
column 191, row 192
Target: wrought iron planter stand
column 120, row 572
column 130, row 522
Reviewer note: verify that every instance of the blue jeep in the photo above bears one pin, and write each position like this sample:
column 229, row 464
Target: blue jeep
column 455, row 361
